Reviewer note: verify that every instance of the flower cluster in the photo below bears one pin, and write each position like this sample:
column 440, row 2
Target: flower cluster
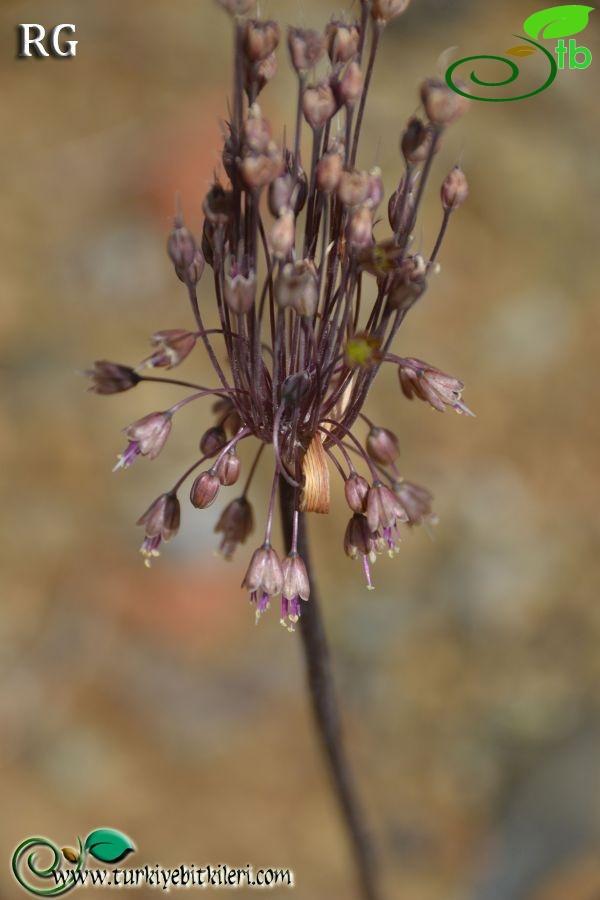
column 290, row 243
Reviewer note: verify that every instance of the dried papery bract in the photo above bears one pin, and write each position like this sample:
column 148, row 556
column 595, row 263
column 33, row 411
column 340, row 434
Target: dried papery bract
column 316, row 491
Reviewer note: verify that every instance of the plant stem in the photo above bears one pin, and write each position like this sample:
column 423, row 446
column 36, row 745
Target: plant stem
column 325, row 707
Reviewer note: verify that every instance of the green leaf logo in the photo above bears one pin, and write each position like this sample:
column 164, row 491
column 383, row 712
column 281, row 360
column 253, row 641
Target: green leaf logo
column 557, row 21
column 108, row 846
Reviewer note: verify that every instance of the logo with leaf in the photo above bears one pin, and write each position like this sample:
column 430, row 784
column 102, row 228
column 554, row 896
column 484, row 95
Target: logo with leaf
column 555, row 22
column 106, row 845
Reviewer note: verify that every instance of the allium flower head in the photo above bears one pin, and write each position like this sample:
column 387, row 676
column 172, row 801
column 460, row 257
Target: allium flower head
column 310, row 286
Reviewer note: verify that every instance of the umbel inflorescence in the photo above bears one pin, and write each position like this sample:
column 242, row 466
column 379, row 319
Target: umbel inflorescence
column 290, row 245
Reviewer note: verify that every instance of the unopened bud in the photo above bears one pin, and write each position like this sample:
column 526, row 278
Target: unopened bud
column 181, row 248
column 356, row 489
column 194, row 272
column 261, row 73
column 442, row 105
column 204, row 490
column 318, row 105
column 401, row 208
column 297, row 286
column 281, row 235
column 342, row 41
column 257, row 134
column 213, row 440
column 260, row 39
column 385, row 10
column 228, row 468
column 415, row 142
column 306, row 48
column 350, row 85
column 329, row 171
column 382, row 446
column 260, row 169
column 455, row 189
column 239, row 292
column 353, row 188
column 360, row 227
column 375, row 189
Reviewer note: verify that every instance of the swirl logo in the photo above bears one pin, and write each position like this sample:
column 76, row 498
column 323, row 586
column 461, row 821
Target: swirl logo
column 555, row 22
column 104, row 844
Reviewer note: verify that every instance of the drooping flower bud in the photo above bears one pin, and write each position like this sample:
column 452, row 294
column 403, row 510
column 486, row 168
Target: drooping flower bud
column 382, row 446
column 384, row 512
column 360, row 227
column 161, row 523
column 296, row 587
column 455, row 189
column 384, row 11
column 213, row 440
column 342, row 41
column 415, row 142
column 416, row 500
column 235, row 523
column 353, row 188
column 350, row 85
column 147, row 436
column 306, row 48
column 419, row 379
column 264, row 578
column 329, row 171
column 111, row 378
column 204, row 490
column 442, row 105
column 318, row 105
column 228, row 468
column 171, row 347
column 282, row 233
column 260, row 39
column 356, row 489
column 297, row 286
column 359, row 540
column 239, row 292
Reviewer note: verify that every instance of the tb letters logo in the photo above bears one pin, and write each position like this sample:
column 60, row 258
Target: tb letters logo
column 33, row 41
column 556, row 22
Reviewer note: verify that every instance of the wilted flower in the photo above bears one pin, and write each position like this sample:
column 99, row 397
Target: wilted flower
column 416, row 501
column 111, row 378
column 419, row 379
column 172, row 346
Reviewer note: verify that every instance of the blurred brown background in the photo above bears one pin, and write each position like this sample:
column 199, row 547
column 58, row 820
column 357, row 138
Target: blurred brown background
column 148, row 701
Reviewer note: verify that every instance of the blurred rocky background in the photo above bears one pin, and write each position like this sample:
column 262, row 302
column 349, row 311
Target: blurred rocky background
column 470, row 679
